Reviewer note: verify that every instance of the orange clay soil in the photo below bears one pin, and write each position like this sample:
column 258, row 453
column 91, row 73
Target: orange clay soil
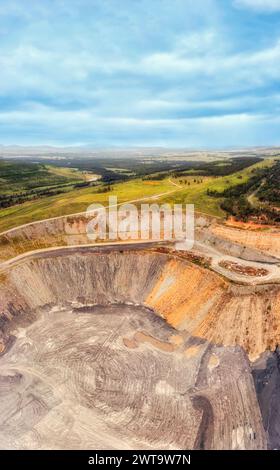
column 250, row 225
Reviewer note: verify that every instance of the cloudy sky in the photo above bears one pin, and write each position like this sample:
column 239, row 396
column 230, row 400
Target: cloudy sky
column 104, row 73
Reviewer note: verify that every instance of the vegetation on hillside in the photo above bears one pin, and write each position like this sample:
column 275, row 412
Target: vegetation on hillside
column 22, row 181
column 213, row 194
column 262, row 188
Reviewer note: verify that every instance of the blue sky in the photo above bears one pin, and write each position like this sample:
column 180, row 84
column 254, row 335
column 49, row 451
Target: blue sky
column 107, row 73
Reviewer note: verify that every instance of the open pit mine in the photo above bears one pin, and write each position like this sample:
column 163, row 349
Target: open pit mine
column 139, row 345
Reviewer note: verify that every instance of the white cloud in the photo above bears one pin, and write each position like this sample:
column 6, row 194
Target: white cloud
column 229, row 71
column 99, row 81
column 152, row 74
column 266, row 6
column 217, row 131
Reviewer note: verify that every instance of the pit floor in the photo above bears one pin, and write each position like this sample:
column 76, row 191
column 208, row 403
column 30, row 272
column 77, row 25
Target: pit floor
column 97, row 378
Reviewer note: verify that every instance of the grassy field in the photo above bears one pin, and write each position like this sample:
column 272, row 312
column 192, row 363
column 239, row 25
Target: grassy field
column 194, row 191
column 78, row 201
column 197, row 193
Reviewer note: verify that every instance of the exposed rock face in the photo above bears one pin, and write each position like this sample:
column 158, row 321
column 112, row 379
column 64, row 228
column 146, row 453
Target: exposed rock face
column 83, row 331
column 188, row 296
column 72, row 230
column 68, row 230
column 267, row 242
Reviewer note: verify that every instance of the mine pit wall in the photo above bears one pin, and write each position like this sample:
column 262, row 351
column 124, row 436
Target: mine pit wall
column 60, row 231
column 195, row 301
column 72, row 230
column 267, row 242
column 238, row 250
column 85, row 278
column 188, row 297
